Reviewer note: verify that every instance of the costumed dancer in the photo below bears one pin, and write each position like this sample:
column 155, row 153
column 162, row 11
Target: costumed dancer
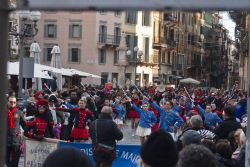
column 119, row 112
column 133, row 115
column 81, row 123
column 42, row 125
column 146, row 122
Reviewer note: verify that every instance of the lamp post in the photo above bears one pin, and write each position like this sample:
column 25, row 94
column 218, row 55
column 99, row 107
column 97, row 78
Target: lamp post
column 137, row 59
column 25, row 33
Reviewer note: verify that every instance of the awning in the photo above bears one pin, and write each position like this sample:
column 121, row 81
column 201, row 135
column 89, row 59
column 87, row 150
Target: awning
column 39, row 70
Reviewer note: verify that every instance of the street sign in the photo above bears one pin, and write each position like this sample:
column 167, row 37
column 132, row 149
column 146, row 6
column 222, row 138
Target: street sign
column 134, row 4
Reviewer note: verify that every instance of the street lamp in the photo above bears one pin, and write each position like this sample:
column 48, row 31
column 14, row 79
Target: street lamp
column 23, row 35
column 137, row 59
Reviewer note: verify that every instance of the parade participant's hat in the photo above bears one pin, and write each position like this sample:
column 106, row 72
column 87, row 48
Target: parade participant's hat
column 159, row 150
column 38, row 94
column 42, row 102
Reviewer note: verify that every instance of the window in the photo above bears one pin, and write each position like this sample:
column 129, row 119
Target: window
column 131, row 17
column 50, row 30
column 164, row 57
column 102, row 33
column 116, row 56
column 102, row 56
column 169, row 57
column 75, row 30
column 131, row 43
column 104, row 76
column 47, row 53
column 74, row 55
column 118, row 13
column 146, row 49
column 146, row 18
column 102, row 12
column 117, row 35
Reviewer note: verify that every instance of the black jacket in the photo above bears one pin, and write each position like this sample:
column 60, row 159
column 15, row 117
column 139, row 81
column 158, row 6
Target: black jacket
column 107, row 133
column 14, row 134
column 226, row 127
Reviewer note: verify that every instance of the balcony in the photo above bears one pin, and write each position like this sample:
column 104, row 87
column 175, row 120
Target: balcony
column 109, row 40
column 159, row 42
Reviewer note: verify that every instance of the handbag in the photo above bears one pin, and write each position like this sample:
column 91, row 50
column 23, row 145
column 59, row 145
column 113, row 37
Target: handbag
column 102, row 151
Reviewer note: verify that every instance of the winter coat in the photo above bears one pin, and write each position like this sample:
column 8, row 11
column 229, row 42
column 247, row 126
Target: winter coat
column 226, row 127
column 107, row 132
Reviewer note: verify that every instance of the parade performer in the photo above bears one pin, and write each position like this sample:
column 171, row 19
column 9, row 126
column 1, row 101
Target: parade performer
column 169, row 120
column 15, row 119
column 146, row 122
column 133, row 114
column 42, row 125
column 82, row 119
column 211, row 120
column 119, row 112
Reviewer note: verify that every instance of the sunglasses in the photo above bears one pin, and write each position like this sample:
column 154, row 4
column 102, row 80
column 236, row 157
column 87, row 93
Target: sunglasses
column 12, row 102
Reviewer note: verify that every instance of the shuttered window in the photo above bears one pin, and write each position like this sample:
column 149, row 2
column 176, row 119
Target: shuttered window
column 50, row 30
column 75, row 31
column 74, row 55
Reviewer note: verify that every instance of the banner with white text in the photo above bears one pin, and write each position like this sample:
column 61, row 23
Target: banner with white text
column 127, row 155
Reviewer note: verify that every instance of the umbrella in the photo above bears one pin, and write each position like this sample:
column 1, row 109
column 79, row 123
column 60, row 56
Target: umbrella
column 190, row 81
column 56, row 62
column 35, row 52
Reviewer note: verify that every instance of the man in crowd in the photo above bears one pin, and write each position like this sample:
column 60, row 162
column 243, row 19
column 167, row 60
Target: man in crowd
column 104, row 133
column 15, row 119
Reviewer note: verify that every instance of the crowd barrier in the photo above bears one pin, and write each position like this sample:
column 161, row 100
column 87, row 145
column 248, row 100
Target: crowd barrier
column 37, row 151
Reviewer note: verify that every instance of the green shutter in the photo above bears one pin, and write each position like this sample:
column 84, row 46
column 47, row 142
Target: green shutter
column 55, row 28
column 80, row 31
column 45, row 30
column 45, row 54
column 79, row 55
column 70, row 31
column 104, row 54
column 69, row 55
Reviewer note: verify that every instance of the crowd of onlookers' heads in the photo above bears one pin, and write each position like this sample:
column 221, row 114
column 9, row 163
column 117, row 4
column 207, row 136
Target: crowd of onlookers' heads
column 195, row 147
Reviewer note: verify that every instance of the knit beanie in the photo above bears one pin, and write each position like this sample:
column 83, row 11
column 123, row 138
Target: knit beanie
column 159, row 150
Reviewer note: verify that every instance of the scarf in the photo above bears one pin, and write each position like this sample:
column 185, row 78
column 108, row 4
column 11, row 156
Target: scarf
column 11, row 117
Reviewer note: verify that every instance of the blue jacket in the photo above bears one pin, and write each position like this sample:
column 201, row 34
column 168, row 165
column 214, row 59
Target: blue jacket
column 120, row 110
column 168, row 119
column 210, row 119
column 147, row 118
column 241, row 109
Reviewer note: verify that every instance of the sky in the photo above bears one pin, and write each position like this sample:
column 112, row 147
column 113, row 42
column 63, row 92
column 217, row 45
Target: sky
column 228, row 23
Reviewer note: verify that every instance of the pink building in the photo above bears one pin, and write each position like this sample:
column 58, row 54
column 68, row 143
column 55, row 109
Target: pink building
column 89, row 41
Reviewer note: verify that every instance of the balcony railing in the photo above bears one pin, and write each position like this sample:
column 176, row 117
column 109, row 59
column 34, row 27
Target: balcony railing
column 109, row 39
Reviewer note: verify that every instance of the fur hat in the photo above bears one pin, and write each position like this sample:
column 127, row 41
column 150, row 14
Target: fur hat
column 65, row 157
column 159, row 150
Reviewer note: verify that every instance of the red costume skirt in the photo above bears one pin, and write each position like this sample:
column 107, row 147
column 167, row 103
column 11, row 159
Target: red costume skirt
column 133, row 114
column 79, row 134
